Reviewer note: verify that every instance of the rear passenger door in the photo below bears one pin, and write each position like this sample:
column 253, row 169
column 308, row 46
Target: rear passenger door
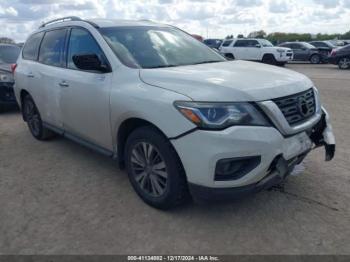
column 47, row 74
column 85, row 94
column 26, row 71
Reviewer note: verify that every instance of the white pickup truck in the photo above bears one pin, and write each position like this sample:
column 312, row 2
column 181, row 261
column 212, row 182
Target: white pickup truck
column 256, row 50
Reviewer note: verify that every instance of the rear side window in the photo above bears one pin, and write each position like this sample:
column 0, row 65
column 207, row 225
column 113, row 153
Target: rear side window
column 52, row 47
column 31, row 48
column 227, row 43
column 82, row 42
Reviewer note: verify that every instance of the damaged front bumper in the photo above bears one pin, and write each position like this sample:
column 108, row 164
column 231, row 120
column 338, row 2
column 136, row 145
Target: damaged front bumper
column 322, row 135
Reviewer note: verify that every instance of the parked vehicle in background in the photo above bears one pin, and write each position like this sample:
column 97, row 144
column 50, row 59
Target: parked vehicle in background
column 338, row 42
column 179, row 116
column 341, row 57
column 255, row 50
column 213, row 43
column 324, row 47
column 304, row 51
column 8, row 56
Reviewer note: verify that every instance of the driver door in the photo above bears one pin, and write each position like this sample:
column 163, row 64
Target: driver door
column 85, row 94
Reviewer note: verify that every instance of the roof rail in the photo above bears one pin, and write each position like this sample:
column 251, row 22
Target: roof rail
column 63, row 19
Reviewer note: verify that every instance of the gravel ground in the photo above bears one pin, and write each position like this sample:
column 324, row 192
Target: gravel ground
column 58, row 197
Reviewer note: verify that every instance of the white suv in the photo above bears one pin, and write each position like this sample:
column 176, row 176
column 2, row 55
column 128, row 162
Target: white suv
column 256, row 50
column 182, row 119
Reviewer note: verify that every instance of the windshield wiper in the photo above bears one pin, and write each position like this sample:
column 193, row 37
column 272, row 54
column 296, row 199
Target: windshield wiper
column 160, row 66
column 208, row 62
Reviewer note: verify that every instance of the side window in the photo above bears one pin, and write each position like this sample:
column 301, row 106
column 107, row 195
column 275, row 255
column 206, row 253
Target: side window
column 82, row 42
column 241, row 43
column 295, row 46
column 52, row 47
column 252, row 43
column 227, row 43
column 31, row 47
column 316, row 44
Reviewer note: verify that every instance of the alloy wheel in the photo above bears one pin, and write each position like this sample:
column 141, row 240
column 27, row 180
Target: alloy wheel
column 149, row 169
column 344, row 63
column 315, row 59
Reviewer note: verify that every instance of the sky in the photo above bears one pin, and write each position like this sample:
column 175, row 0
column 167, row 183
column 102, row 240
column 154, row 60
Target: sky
column 209, row 18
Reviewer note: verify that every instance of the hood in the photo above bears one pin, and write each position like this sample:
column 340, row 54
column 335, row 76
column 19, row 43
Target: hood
column 228, row 81
column 279, row 47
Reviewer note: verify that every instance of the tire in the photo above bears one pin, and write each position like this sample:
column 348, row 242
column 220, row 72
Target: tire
column 154, row 169
column 315, row 59
column 269, row 59
column 32, row 116
column 230, row 56
column 344, row 63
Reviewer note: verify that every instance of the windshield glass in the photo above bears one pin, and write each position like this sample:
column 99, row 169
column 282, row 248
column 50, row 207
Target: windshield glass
column 330, row 44
column 154, row 47
column 9, row 54
column 266, row 43
column 309, row 46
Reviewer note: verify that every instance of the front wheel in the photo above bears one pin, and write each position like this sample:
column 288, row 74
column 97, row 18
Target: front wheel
column 344, row 63
column 315, row 59
column 33, row 119
column 154, row 169
column 269, row 59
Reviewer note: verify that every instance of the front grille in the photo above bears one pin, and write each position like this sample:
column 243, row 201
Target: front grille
column 297, row 108
column 6, row 92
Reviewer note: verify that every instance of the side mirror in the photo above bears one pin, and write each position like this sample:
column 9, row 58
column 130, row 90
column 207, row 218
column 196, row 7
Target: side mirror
column 258, row 46
column 90, row 62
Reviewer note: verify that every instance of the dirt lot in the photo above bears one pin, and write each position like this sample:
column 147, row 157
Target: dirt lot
column 60, row 198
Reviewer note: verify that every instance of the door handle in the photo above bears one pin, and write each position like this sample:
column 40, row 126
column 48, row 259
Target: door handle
column 31, row 75
column 63, row 84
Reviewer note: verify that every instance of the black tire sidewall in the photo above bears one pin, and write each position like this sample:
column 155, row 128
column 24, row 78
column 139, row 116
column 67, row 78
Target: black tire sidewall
column 29, row 99
column 152, row 136
column 269, row 59
column 319, row 59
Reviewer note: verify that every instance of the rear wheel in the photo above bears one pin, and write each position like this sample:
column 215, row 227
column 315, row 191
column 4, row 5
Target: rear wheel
column 154, row 169
column 269, row 59
column 33, row 119
column 344, row 63
column 315, row 59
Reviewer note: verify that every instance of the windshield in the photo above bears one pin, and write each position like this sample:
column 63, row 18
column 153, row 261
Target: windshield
column 330, row 44
column 266, row 43
column 309, row 46
column 9, row 54
column 154, row 47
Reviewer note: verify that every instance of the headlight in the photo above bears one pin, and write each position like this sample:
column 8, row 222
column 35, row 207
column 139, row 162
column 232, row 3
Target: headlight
column 281, row 50
column 5, row 77
column 221, row 115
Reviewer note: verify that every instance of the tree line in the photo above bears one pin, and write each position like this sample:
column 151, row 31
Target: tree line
column 280, row 37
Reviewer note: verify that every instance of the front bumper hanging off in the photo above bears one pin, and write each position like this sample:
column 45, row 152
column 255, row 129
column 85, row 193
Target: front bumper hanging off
column 322, row 135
